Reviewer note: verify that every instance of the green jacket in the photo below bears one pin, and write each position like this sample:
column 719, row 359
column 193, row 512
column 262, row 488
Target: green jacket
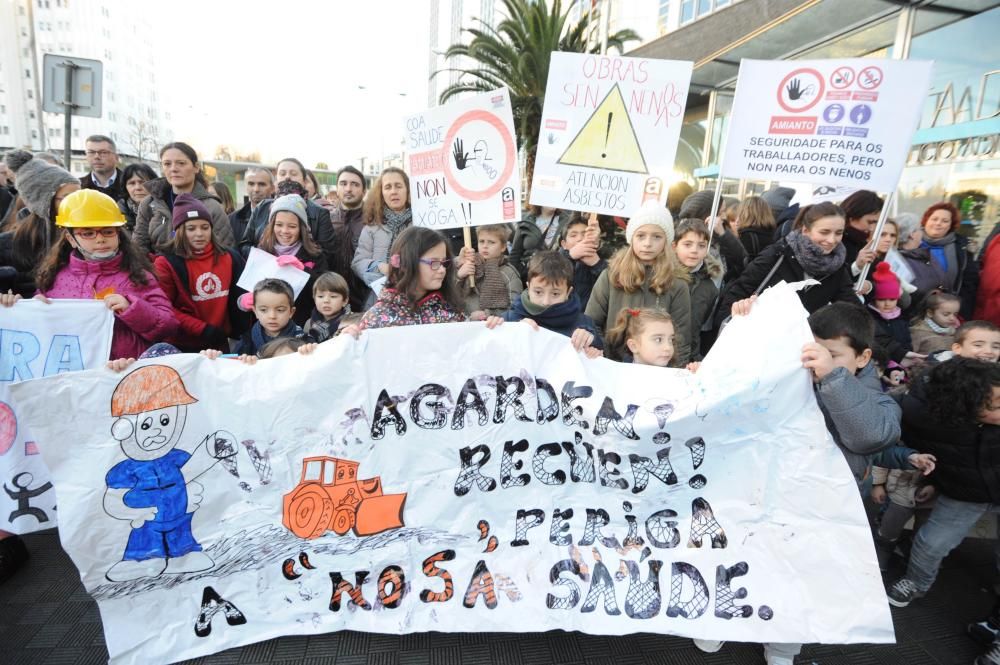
column 606, row 302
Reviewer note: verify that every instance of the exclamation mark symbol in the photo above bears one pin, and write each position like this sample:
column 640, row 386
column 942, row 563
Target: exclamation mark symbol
column 607, row 133
column 697, row 448
column 467, row 212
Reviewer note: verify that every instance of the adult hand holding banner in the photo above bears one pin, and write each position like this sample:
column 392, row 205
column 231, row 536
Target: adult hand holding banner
column 526, row 488
column 41, row 339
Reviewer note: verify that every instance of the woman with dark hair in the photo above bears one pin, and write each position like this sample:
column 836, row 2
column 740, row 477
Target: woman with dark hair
column 812, row 250
column 221, row 190
column 421, row 286
column 950, row 252
column 862, row 209
column 154, row 231
column 387, row 214
column 41, row 187
column 135, row 176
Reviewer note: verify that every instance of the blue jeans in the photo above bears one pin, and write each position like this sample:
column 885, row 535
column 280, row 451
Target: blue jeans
column 947, row 527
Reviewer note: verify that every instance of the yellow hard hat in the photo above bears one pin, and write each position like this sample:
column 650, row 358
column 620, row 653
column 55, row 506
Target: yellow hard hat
column 149, row 388
column 89, row 208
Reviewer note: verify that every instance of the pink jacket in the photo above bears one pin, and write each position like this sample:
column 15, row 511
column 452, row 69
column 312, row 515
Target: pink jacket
column 148, row 319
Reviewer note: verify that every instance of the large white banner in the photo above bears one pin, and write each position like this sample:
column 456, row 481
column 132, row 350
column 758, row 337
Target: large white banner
column 835, row 122
column 463, row 163
column 494, row 480
column 39, row 339
column 609, row 134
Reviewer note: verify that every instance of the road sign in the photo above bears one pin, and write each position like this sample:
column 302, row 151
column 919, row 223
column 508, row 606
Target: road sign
column 86, row 85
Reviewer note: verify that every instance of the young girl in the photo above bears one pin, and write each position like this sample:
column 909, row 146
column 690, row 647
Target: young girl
column 691, row 246
column 648, row 334
column 420, row 287
column 287, row 235
column 498, row 283
column 95, row 260
column 273, row 305
column 199, row 277
column 935, row 331
column 645, row 275
column 892, row 335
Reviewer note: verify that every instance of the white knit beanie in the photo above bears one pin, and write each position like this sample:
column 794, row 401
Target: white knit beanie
column 653, row 213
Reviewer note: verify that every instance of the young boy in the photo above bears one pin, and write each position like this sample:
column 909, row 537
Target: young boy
column 863, row 421
column 691, row 247
column 497, row 282
column 979, row 340
column 580, row 242
column 273, row 305
column 549, row 302
column 330, row 296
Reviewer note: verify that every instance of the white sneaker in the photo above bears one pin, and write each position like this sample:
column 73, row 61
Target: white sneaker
column 127, row 570
column 708, row 646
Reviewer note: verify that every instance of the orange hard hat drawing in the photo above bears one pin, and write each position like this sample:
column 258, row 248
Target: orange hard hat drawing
column 331, row 497
column 148, row 389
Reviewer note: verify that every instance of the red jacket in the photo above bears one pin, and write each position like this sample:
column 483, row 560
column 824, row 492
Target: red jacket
column 988, row 296
column 174, row 277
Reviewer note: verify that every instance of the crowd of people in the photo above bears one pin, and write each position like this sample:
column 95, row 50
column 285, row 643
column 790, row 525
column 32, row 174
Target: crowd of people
column 905, row 367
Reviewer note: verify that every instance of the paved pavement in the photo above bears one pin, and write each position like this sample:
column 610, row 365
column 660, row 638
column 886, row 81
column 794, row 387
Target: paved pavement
column 47, row 618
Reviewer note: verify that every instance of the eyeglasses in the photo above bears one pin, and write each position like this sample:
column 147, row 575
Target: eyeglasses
column 435, row 264
column 99, row 153
column 90, row 234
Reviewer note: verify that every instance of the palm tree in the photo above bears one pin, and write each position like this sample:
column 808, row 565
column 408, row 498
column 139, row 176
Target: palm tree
column 516, row 54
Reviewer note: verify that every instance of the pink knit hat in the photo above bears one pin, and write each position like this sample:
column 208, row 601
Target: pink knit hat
column 887, row 285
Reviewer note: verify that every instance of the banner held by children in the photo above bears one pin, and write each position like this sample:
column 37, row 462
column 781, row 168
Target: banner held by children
column 41, row 339
column 463, row 163
column 836, row 122
column 524, row 489
column 609, row 132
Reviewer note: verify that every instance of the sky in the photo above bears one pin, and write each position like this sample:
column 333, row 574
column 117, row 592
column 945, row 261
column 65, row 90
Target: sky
column 283, row 77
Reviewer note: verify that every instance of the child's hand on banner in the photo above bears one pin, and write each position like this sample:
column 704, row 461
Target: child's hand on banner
column 581, row 339
column 9, row 298
column 120, row 364
column 493, row 321
column 742, row 307
column 817, row 359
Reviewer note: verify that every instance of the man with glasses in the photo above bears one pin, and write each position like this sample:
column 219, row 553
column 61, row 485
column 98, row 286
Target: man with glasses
column 104, row 176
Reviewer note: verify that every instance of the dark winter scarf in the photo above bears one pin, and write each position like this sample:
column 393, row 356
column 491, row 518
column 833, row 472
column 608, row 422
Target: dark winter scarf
column 811, row 257
column 260, row 337
column 943, row 251
column 492, row 287
column 320, row 329
column 395, row 222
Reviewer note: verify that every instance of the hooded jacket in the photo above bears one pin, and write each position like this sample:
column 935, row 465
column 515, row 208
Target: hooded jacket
column 154, row 231
column 862, row 420
column 563, row 318
column 148, row 319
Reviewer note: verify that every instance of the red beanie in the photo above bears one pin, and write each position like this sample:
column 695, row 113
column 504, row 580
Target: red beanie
column 887, row 285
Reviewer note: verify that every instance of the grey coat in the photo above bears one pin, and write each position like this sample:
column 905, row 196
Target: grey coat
column 373, row 248
column 862, row 419
column 154, row 231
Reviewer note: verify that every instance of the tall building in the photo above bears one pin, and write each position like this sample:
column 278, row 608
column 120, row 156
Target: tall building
column 448, row 20
column 117, row 33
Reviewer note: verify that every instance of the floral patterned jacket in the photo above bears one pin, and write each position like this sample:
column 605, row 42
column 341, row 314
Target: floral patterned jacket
column 394, row 309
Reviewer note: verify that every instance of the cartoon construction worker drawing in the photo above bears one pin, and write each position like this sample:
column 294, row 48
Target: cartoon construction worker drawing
column 153, row 489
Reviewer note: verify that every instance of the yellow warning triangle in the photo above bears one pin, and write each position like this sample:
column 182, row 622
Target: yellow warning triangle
column 607, row 140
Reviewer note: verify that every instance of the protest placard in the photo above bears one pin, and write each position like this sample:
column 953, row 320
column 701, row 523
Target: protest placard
column 463, row 163
column 262, row 265
column 609, row 134
column 36, row 340
column 837, row 122
column 524, row 489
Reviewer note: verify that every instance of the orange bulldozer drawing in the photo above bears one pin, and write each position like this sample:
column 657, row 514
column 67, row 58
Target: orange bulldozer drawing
column 330, row 496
